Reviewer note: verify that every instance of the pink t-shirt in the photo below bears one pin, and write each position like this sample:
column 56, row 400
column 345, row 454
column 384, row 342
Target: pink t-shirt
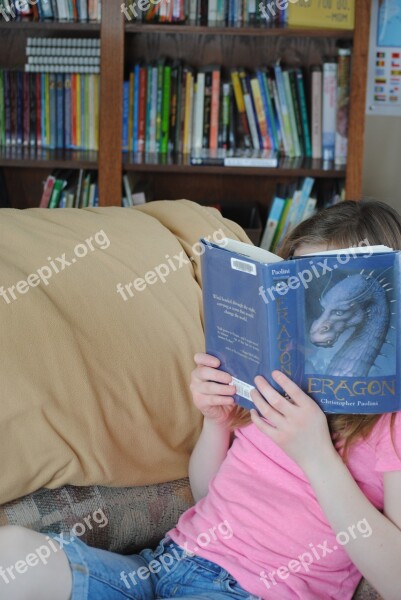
column 262, row 523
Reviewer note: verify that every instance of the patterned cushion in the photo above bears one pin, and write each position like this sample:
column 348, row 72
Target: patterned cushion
column 119, row 519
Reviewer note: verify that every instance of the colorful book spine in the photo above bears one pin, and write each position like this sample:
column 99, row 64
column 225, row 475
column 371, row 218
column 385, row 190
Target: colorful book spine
column 329, row 111
column 343, row 97
column 316, row 112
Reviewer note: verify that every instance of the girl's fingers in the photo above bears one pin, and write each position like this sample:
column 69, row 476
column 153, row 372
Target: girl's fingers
column 261, row 424
column 203, row 373
column 267, row 410
column 201, row 358
column 294, row 392
column 211, row 388
column 274, row 398
column 220, row 400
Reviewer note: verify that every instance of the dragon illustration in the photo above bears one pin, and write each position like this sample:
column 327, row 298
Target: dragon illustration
column 359, row 302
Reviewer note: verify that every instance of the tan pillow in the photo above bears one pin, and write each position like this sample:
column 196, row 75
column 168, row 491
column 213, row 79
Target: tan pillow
column 94, row 387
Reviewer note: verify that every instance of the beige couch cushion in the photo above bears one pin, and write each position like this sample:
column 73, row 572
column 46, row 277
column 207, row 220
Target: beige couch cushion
column 94, row 388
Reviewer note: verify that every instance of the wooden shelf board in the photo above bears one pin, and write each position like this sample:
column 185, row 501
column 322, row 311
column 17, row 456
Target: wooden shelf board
column 48, row 159
column 62, row 26
column 287, row 167
column 287, row 31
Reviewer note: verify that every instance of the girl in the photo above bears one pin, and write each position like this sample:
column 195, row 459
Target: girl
column 298, row 506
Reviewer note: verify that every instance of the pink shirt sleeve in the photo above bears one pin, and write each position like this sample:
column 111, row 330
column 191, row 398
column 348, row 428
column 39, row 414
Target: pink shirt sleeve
column 388, row 444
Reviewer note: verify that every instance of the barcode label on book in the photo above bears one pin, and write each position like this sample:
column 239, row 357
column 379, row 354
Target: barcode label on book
column 243, row 389
column 243, row 265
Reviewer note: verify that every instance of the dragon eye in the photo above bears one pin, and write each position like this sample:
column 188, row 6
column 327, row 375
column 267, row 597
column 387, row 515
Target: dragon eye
column 339, row 313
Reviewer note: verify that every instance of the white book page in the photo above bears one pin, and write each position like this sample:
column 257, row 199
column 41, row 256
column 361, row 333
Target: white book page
column 252, row 252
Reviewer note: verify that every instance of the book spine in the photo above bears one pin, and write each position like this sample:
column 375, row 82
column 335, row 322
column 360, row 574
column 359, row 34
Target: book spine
column 343, row 97
column 135, row 129
column 131, row 110
column 269, row 109
column 272, row 222
column 174, row 114
column 304, row 112
column 2, row 110
column 67, row 112
column 283, row 108
column 153, row 111
column 47, row 192
column 39, row 109
column 159, row 103
column 250, row 110
column 165, row 109
column 291, row 113
column 280, row 129
column 189, row 111
column 261, row 114
column 207, row 109
column 149, row 79
column 53, row 111
column 198, row 112
column 126, row 91
column 316, row 112
column 142, row 109
column 282, row 322
column 297, row 111
column 244, row 131
column 329, row 109
column 26, row 109
column 60, row 141
column 214, row 117
column 20, row 108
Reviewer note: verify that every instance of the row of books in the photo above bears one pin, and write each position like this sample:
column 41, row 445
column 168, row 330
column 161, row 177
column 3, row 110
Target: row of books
column 51, row 10
column 63, row 55
column 79, row 189
column 49, row 110
column 292, row 204
column 54, row 103
column 239, row 13
column 172, row 107
column 231, row 13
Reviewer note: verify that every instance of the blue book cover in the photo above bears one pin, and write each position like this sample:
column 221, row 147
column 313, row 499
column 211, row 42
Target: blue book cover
column 136, row 107
column 125, row 115
column 329, row 322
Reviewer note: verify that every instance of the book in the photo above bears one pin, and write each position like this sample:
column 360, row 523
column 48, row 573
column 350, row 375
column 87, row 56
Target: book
column 272, row 222
column 315, row 13
column 325, row 320
column 329, row 111
column 343, row 98
column 316, row 112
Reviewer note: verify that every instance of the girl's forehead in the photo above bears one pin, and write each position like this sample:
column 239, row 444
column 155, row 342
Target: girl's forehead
column 309, row 249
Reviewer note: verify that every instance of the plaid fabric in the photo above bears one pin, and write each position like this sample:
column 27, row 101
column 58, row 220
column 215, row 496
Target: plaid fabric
column 138, row 517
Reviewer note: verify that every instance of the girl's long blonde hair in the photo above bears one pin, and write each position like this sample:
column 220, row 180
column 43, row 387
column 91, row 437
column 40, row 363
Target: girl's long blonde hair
column 341, row 226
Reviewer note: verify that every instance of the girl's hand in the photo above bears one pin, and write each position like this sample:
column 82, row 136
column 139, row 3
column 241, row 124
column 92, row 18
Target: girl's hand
column 211, row 389
column 297, row 425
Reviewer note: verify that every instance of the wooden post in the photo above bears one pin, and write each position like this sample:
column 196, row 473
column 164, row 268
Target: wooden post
column 111, row 103
column 353, row 189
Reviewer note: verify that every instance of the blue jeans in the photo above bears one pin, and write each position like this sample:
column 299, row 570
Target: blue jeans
column 167, row 572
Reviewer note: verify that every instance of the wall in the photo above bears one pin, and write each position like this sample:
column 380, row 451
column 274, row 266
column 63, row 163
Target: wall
column 382, row 161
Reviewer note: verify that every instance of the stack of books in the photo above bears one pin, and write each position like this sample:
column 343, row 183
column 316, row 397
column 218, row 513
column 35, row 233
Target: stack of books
column 54, row 10
column 54, row 103
column 169, row 107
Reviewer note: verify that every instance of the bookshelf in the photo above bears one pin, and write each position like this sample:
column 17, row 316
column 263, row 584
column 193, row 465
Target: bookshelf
column 123, row 43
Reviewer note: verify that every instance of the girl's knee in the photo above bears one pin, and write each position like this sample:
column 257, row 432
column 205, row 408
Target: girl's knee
column 14, row 537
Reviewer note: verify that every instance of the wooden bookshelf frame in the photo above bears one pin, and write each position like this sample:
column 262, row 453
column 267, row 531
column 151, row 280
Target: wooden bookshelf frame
column 110, row 161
